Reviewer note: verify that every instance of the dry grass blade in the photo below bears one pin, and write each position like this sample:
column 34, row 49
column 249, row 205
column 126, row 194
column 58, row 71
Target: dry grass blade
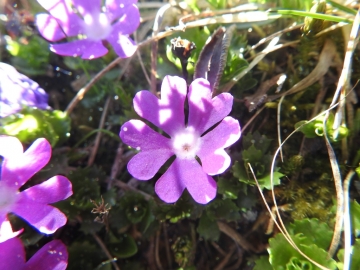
column 340, row 93
column 325, row 60
column 347, row 221
column 339, row 196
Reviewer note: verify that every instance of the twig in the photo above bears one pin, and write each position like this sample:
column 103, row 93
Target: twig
column 154, row 46
column 252, row 119
column 141, row 62
column 226, row 259
column 117, row 165
column 99, row 134
column 218, row 248
column 106, row 251
column 167, row 247
column 127, row 187
column 278, row 119
column 157, row 258
column 241, row 241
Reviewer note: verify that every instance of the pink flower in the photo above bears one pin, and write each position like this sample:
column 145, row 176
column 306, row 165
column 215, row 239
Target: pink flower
column 32, row 203
column 91, row 24
column 185, row 140
column 52, row 256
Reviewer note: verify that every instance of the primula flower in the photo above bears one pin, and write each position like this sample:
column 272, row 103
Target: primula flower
column 88, row 24
column 32, row 203
column 187, row 140
column 17, row 90
column 52, row 256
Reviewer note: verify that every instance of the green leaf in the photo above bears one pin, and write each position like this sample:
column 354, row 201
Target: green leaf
column 31, row 58
column 265, row 182
column 123, row 247
column 316, row 232
column 135, row 206
column 208, row 228
column 84, row 255
column 32, row 123
column 228, row 187
column 260, row 142
column 262, row 263
column 355, row 257
column 355, row 217
column 284, row 256
column 316, row 128
column 252, row 155
column 223, row 209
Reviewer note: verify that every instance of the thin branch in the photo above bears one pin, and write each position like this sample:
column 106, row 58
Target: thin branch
column 167, row 246
column 125, row 186
column 117, row 165
column 99, row 134
column 106, row 251
column 157, row 258
column 241, row 241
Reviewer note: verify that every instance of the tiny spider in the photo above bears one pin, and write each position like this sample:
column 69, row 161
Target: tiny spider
column 103, row 210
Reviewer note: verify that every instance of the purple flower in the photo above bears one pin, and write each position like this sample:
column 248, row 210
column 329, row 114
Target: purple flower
column 32, row 203
column 52, row 256
column 17, row 90
column 187, row 140
column 90, row 24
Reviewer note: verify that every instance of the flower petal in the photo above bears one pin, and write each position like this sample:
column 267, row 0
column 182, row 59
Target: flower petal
column 85, row 48
column 12, row 254
column 49, row 27
column 122, row 44
column 205, row 112
column 87, row 7
column 55, row 189
column 213, row 157
column 155, row 149
column 46, row 218
column 185, row 173
column 168, row 112
column 6, row 231
column 129, row 19
column 18, row 170
column 70, row 23
column 53, row 256
column 10, row 147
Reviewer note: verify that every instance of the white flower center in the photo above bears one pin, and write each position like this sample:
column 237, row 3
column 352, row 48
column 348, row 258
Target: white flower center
column 7, row 197
column 186, row 143
column 97, row 26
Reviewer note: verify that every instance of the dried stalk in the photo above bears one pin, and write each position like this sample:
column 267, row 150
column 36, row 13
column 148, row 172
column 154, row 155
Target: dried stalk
column 106, row 251
column 99, row 134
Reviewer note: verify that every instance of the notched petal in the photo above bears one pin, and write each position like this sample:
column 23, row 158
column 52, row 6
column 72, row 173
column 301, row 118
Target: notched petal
column 213, row 158
column 204, row 111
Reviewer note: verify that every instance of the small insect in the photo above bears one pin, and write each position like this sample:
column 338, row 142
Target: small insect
column 182, row 49
column 103, row 210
